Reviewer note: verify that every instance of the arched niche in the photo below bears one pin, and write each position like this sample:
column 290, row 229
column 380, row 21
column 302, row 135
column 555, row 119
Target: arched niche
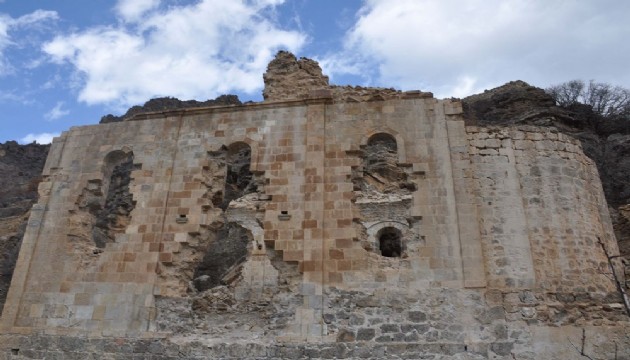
column 385, row 140
column 381, row 158
column 238, row 177
column 114, row 215
column 390, row 242
column 385, row 133
column 388, row 238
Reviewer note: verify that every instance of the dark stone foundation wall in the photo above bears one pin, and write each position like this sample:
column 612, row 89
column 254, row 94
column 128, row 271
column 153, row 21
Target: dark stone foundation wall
column 79, row 348
column 70, row 348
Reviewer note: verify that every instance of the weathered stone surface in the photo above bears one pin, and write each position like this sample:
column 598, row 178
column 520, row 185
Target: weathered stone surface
column 224, row 254
column 114, row 215
column 290, row 78
column 63, row 347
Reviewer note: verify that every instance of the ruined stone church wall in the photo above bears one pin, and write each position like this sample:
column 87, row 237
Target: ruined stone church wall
column 69, row 283
column 304, row 155
column 491, row 235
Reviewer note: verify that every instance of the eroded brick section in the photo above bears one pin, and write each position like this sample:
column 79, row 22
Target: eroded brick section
column 220, row 264
column 115, row 214
column 239, row 180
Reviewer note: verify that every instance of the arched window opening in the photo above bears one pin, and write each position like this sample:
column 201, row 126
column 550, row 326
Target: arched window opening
column 381, row 158
column 115, row 214
column 383, row 140
column 390, row 242
column 238, row 178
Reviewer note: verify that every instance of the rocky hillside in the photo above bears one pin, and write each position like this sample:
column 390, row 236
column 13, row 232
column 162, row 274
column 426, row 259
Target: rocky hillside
column 606, row 141
column 169, row 103
column 20, row 170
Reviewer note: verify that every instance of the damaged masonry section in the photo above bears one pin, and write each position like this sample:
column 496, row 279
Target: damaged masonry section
column 383, row 193
column 103, row 210
column 216, row 266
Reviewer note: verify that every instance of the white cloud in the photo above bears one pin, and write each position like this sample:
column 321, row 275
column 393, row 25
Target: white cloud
column 16, row 97
column 195, row 51
column 132, row 10
column 42, row 138
column 36, row 17
column 464, row 86
column 51, row 82
column 56, row 112
column 343, row 65
column 455, row 48
column 4, row 42
column 9, row 24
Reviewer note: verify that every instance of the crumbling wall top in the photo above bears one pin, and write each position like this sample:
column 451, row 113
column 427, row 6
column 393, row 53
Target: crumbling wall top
column 290, row 78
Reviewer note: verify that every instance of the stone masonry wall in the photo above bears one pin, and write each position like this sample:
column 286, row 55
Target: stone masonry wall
column 544, row 220
column 500, row 233
column 543, row 345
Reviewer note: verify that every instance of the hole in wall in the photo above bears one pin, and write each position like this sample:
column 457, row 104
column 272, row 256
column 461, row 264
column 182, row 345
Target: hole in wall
column 390, row 242
column 238, row 178
column 383, row 139
column 382, row 157
column 284, row 215
column 380, row 171
column 115, row 214
column 103, row 209
column 223, row 256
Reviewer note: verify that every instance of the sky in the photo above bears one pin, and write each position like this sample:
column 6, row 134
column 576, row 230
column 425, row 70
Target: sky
column 67, row 63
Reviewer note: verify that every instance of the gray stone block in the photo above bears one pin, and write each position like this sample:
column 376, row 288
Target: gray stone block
column 365, row 334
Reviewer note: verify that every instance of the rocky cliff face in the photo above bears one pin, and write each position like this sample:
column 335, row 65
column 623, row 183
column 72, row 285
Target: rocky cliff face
column 169, row 103
column 20, row 170
column 606, row 141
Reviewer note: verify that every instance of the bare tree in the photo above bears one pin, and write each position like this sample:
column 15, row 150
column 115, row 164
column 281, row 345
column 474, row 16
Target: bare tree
column 605, row 99
column 617, row 279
